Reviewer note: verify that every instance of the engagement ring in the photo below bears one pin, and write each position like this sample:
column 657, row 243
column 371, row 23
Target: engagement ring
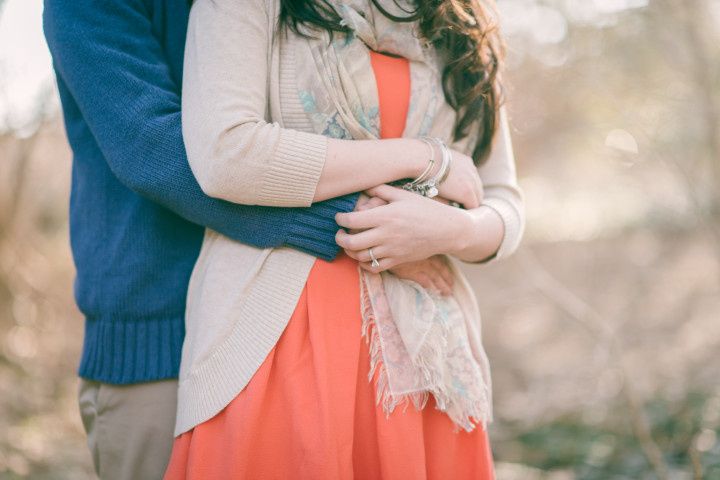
column 374, row 262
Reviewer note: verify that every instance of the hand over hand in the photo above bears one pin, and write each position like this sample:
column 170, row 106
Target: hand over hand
column 463, row 183
column 408, row 228
column 432, row 274
column 366, row 202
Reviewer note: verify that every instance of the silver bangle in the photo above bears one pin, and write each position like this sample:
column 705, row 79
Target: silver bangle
column 429, row 188
column 423, row 176
column 431, row 162
column 446, row 151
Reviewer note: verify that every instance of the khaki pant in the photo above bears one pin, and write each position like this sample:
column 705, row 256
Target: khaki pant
column 129, row 427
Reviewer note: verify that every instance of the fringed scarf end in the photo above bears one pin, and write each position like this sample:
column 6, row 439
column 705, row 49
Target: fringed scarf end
column 465, row 415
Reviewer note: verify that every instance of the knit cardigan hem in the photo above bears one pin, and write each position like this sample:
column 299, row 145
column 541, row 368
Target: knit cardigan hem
column 208, row 386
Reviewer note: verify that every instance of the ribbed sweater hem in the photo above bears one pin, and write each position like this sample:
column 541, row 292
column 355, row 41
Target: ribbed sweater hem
column 126, row 350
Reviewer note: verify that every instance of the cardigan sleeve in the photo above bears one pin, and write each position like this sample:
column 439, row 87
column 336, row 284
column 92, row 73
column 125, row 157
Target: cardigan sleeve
column 235, row 153
column 116, row 72
column 502, row 192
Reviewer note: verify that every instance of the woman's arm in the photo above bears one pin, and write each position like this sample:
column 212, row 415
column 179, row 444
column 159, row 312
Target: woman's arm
column 410, row 227
column 494, row 230
column 238, row 156
column 503, row 195
column 113, row 71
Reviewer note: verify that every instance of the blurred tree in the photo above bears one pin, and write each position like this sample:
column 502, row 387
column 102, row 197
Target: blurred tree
column 603, row 330
column 644, row 72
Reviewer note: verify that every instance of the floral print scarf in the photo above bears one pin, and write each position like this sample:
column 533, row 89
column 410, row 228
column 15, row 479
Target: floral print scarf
column 421, row 343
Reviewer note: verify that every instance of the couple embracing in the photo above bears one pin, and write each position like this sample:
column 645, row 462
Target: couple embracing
column 267, row 273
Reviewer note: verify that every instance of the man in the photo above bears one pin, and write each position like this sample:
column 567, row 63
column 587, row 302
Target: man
column 137, row 218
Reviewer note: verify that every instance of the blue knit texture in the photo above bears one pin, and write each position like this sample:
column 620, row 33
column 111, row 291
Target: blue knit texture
column 137, row 214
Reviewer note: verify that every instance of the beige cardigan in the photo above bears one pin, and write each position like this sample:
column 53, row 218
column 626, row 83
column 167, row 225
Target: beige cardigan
column 248, row 142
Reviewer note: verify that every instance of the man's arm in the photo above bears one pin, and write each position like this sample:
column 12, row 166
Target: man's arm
column 114, row 68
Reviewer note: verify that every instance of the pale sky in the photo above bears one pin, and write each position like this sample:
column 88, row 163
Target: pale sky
column 25, row 66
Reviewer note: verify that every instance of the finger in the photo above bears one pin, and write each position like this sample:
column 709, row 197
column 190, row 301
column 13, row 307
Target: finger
column 388, row 193
column 363, row 255
column 435, row 284
column 384, row 264
column 471, row 201
column 425, row 281
column 358, row 241
column 355, row 255
column 372, row 202
column 443, row 270
column 359, row 220
column 478, row 189
column 443, row 287
column 362, row 199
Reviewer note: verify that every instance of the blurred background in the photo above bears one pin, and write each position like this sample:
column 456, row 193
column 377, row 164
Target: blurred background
column 603, row 331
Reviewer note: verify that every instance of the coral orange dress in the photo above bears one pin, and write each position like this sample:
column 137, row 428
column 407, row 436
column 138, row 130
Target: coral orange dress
column 309, row 411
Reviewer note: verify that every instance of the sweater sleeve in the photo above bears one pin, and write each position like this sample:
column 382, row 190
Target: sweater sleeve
column 502, row 192
column 115, row 70
column 234, row 152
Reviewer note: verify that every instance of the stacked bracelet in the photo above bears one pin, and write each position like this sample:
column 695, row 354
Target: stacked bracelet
column 428, row 187
column 412, row 186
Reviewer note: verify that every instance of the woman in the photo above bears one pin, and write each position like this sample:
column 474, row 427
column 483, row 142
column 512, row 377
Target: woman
column 292, row 367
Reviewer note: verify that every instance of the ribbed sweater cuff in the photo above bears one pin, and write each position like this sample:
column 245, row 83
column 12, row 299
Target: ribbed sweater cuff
column 314, row 229
column 295, row 171
column 125, row 351
column 513, row 227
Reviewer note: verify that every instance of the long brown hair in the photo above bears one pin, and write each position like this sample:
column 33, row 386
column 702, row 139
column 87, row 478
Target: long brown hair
column 463, row 31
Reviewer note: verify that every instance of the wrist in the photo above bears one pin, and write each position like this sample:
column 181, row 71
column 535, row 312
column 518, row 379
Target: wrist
column 463, row 226
column 483, row 235
column 419, row 158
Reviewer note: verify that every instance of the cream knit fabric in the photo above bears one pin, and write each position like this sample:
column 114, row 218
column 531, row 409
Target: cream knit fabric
column 248, row 141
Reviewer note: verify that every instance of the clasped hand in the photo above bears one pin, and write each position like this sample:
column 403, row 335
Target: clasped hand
column 407, row 232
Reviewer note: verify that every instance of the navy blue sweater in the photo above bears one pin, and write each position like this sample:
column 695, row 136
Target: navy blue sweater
column 137, row 214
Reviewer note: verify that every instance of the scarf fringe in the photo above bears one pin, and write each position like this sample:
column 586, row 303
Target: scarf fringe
column 464, row 414
column 382, row 390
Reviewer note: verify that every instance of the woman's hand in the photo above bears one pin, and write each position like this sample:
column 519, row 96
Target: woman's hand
column 408, row 228
column 365, row 202
column 432, row 274
column 463, row 183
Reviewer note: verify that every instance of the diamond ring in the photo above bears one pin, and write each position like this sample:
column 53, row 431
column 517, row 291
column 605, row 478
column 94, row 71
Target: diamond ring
column 374, row 262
